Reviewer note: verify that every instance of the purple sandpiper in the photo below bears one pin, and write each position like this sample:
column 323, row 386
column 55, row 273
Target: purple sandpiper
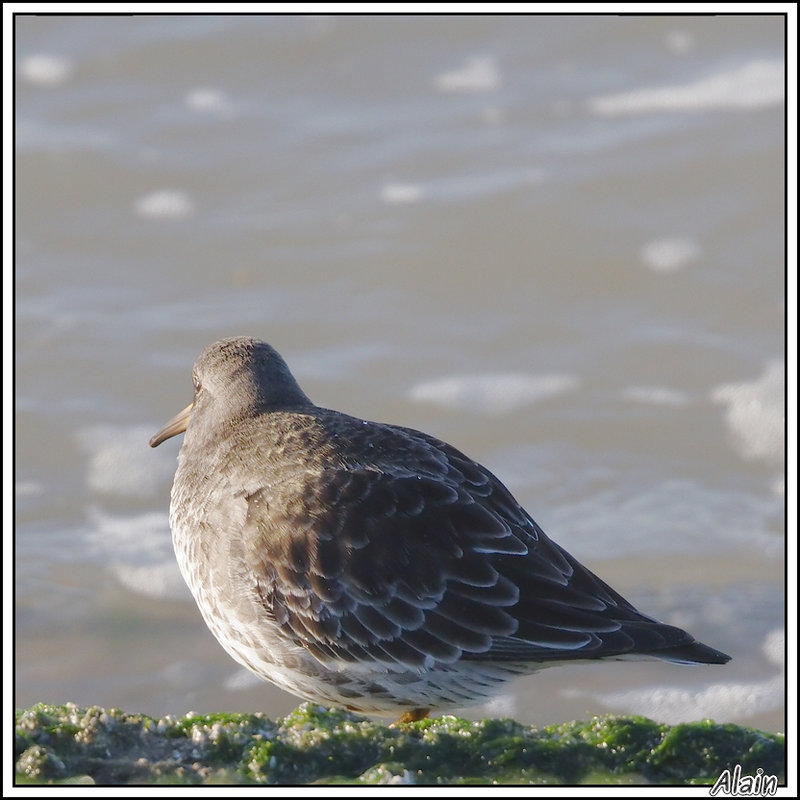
column 371, row 566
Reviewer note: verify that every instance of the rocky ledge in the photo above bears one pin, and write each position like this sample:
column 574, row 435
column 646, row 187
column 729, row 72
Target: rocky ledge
column 72, row 745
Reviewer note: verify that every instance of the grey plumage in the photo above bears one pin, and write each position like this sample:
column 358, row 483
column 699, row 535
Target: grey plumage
column 370, row 565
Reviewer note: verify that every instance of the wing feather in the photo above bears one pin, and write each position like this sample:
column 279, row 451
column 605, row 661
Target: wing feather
column 436, row 561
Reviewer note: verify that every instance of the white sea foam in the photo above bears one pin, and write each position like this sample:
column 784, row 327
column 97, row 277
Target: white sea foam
column 679, row 42
column 206, row 100
column 494, row 393
column 773, row 647
column 164, row 204
column 756, row 84
column 679, row 516
column 138, row 551
column 755, row 414
column 401, row 193
column 46, row 70
column 504, row 704
column 655, row 396
column 153, row 580
column 241, row 680
column 135, row 539
column 28, row 488
column 121, row 462
column 670, row 254
column 673, row 705
column 479, row 74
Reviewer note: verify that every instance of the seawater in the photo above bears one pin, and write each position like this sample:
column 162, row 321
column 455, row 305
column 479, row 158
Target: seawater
column 556, row 242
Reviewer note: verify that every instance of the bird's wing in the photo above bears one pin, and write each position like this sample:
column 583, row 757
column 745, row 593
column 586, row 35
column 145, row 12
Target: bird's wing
column 367, row 566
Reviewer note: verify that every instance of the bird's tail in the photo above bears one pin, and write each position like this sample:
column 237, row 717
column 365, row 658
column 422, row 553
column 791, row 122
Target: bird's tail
column 696, row 653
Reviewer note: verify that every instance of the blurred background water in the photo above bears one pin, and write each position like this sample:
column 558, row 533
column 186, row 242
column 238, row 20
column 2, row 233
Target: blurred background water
column 556, row 242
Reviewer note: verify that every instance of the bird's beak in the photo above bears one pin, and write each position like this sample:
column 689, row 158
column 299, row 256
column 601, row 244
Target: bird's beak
column 175, row 426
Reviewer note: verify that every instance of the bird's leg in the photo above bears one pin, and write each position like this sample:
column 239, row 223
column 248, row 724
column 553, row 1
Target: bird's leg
column 413, row 715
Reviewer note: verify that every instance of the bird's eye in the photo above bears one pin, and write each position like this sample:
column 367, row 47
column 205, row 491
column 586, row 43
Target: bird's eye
column 196, row 382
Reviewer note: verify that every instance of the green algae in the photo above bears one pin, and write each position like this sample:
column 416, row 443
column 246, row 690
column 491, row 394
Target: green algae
column 314, row 745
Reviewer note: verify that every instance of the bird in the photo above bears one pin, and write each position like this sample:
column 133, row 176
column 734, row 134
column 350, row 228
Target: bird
column 370, row 566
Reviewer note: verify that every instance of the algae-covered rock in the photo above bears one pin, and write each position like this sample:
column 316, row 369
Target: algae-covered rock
column 67, row 744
